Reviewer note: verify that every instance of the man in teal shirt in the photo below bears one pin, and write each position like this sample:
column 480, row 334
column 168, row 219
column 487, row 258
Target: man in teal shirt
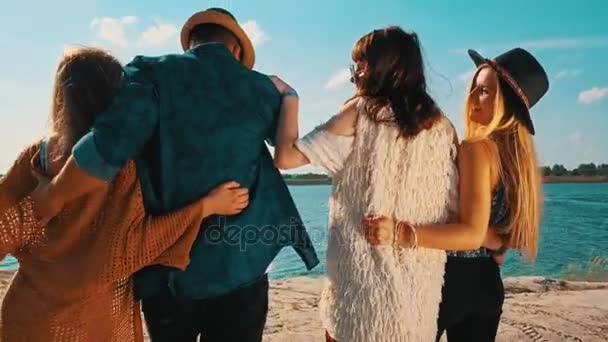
column 192, row 121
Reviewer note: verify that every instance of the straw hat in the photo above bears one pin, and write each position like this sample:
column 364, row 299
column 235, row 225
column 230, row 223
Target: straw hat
column 220, row 16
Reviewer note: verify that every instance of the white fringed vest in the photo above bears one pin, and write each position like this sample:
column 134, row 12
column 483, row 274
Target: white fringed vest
column 374, row 294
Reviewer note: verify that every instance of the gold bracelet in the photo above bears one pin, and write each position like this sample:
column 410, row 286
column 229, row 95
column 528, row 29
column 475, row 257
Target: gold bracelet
column 413, row 239
column 396, row 235
column 413, row 228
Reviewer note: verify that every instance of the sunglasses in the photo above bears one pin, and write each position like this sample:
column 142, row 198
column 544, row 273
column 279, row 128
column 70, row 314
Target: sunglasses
column 354, row 74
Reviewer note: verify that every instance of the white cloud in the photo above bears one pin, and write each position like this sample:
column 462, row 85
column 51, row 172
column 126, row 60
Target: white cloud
column 112, row 30
column 257, row 35
column 575, row 138
column 338, row 79
column 568, row 74
column 592, row 95
column 158, row 35
column 565, row 43
column 466, row 76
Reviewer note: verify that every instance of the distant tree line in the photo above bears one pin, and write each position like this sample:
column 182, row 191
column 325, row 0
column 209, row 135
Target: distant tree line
column 306, row 176
column 590, row 169
column 582, row 170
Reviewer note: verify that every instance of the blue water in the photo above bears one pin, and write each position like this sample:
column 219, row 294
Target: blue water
column 8, row 263
column 573, row 231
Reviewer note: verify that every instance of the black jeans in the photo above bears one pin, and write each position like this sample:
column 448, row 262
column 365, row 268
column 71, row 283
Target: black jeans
column 237, row 316
column 473, row 295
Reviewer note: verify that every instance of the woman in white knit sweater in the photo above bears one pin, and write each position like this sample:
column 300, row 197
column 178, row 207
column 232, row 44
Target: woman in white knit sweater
column 390, row 152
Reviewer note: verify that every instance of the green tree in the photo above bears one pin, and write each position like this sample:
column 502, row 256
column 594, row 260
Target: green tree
column 587, row 169
column 602, row 170
column 559, row 170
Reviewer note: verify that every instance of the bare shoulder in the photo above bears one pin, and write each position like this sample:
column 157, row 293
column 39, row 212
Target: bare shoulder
column 344, row 122
column 479, row 152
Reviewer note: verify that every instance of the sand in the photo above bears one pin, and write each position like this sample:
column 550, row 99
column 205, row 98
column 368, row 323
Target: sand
column 536, row 309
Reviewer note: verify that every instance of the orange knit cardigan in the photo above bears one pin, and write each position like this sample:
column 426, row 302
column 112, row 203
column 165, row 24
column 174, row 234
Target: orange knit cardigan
column 74, row 280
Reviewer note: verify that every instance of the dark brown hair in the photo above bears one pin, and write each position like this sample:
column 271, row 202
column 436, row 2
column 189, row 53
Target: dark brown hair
column 206, row 33
column 395, row 77
column 85, row 82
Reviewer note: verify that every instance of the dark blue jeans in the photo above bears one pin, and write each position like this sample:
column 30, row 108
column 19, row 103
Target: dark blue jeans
column 236, row 316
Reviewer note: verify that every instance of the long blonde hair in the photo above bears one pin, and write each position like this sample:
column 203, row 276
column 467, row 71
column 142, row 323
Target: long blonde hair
column 518, row 166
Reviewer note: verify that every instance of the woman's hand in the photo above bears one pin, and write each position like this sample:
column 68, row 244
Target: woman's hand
column 379, row 230
column 282, row 86
column 226, row 199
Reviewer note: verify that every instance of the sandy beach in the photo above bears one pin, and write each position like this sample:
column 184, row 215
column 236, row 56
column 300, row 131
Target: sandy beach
column 536, row 309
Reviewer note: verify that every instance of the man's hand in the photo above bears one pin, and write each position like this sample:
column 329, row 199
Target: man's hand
column 499, row 258
column 492, row 240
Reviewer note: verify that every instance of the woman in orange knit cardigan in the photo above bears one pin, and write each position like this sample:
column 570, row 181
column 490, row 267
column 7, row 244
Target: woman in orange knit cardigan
column 74, row 280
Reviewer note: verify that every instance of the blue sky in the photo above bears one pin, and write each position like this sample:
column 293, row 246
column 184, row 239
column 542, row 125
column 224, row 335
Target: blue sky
column 308, row 43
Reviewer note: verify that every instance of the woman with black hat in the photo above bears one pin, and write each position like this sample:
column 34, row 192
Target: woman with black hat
column 500, row 195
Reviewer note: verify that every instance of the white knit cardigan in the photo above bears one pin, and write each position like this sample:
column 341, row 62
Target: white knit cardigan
column 374, row 294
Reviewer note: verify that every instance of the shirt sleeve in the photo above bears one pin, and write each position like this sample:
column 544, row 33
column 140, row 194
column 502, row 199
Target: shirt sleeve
column 120, row 132
column 326, row 149
column 19, row 227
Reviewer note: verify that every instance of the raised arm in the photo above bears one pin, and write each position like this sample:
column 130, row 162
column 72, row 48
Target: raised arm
column 287, row 155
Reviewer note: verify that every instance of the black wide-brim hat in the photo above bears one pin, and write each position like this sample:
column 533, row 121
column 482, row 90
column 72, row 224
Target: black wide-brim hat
column 524, row 74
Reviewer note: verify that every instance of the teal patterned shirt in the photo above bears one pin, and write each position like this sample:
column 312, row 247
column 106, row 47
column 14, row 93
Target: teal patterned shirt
column 191, row 122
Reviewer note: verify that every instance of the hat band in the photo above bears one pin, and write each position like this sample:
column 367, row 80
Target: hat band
column 507, row 77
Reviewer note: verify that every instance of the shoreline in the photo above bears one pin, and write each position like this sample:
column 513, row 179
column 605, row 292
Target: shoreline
column 546, row 180
column 575, row 179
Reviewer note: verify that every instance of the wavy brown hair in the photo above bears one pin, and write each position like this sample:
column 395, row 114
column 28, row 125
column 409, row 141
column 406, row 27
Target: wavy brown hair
column 85, row 81
column 394, row 76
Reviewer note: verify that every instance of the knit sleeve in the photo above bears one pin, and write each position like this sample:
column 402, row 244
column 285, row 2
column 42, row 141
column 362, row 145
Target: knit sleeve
column 18, row 226
column 326, row 149
column 167, row 239
column 131, row 239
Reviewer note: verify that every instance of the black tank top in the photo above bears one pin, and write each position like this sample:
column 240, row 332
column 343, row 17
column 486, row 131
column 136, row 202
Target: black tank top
column 499, row 217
